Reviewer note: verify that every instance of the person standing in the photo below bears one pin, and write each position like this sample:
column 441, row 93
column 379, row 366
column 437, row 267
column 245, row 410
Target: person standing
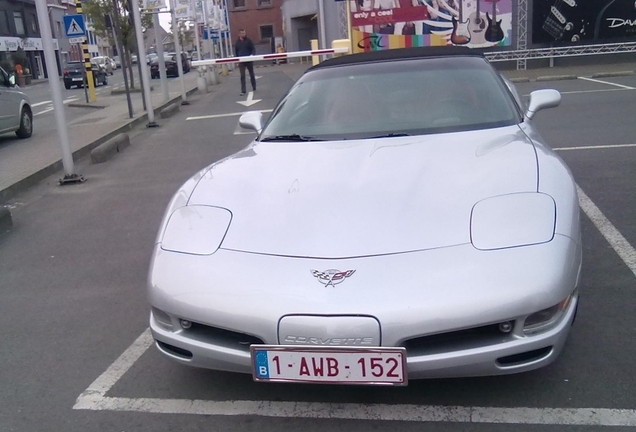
column 245, row 47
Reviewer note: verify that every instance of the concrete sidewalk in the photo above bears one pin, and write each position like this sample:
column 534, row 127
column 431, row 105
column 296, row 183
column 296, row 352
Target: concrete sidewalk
column 26, row 168
column 109, row 117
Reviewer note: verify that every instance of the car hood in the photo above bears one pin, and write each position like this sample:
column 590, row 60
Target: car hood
column 364, row 197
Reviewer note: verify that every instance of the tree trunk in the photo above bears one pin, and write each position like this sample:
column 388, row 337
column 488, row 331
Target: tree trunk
column 130, row 69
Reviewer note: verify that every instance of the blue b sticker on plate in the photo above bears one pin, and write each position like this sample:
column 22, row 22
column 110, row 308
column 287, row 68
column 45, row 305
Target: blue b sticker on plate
column 261, row 365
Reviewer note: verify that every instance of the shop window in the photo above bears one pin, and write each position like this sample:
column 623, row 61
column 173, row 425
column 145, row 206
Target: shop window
column 19, row 23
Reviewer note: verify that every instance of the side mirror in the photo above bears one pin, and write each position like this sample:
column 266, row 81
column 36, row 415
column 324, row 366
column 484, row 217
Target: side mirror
column 252, row 120
column 541, row 99
column 12, row 80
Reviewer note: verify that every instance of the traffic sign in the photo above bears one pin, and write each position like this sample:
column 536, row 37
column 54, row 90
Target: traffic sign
column 76, row 39
column 74, row 25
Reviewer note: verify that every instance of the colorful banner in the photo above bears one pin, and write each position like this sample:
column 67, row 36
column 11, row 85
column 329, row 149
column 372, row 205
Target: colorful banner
column 386, row 24
column 572, row 21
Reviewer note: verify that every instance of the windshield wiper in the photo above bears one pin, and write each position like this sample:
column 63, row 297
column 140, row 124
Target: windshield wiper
column 390, row 135
column 291, row 137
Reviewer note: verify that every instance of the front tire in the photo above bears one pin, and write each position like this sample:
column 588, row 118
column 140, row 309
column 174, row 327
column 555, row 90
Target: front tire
column 26, row 124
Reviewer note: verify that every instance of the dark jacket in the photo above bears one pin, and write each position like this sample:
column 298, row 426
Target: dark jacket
column 244, row 47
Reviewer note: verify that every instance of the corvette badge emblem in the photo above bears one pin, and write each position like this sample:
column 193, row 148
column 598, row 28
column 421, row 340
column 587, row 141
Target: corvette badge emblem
column 331, row 277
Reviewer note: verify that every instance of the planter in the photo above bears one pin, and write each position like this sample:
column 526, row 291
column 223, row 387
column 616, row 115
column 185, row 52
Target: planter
column 21, row 80
column 28, row 79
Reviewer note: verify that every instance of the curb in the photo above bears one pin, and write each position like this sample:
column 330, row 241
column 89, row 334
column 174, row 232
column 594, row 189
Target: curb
column 110, row 148
column 35, row 178
column 86, row 105
column 170, row 110
column 613, row 74
column 556, row 77
column 121, row 91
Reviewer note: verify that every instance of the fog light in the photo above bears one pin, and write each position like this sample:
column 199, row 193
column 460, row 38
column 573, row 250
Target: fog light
column 542, row 320
column 185, row 324
column 505, row 327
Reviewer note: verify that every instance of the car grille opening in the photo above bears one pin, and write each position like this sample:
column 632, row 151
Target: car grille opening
column 221, row 337
column 525, row 357
column 175, row 351
column 457, row 340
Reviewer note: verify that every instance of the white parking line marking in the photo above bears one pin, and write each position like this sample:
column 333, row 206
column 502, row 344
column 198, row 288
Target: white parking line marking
column 224, row 115
column 591, row 91
column 94, row 398
column 608, row 83
column 622, row 247
column 594, row 147
column 43, row 112
column 67, row 101
column 40, row 103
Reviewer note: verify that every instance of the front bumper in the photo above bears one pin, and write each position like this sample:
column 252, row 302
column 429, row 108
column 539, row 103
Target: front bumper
column 519, row 354
column 449, row 291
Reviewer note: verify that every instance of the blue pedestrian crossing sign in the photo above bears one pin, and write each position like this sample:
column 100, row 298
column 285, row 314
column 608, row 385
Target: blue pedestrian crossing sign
column 74, row 25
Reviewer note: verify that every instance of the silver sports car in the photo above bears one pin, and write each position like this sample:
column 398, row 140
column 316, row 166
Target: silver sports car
column 398, row 217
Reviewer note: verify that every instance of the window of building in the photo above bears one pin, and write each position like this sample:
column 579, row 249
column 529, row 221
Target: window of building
column 59, row 33
column 34, row 24
column 19, row 23
column 262, row 3
column 266, row 31
column 4, row 22
column 238, row 4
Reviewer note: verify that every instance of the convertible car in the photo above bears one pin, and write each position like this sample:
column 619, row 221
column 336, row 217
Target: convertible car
column 397, row 217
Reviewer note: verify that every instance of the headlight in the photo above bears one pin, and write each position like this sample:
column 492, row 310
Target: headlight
column 519, row 219
column 543, row 320
column 197, row 230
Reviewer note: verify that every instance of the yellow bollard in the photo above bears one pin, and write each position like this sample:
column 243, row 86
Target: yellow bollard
column 341, row 43
column 314, row 46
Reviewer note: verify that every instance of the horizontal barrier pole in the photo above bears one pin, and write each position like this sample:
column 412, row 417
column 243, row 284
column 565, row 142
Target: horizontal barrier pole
column 277, row 56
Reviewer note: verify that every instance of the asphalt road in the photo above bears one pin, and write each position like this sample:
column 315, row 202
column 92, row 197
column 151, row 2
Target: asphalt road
column 74, row 347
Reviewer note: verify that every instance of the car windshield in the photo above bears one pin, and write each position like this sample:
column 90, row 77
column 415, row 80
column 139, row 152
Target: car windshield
column 398, row 98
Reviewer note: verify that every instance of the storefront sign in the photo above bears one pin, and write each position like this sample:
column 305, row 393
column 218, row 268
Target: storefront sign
column 27, row 44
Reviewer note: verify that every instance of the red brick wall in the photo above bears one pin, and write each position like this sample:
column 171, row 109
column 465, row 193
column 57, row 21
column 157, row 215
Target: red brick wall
column 252, row 17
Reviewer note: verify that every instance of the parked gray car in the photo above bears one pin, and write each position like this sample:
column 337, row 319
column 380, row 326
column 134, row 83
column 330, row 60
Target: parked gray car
column 15, row 108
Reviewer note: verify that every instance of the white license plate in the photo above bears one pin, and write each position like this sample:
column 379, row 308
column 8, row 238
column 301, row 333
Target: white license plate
column 77, row 79
column 329, row 365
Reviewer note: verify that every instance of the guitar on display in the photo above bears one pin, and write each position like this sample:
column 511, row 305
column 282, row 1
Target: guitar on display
column 461, row 34
column 559, row 24
column 477, row 26
column 494, row 33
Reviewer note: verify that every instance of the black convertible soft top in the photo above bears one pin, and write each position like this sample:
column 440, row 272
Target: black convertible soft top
column 398, row 54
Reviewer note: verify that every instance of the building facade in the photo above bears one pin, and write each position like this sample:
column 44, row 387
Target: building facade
column 302, row 23
column 261, row 20
column 20, row 42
